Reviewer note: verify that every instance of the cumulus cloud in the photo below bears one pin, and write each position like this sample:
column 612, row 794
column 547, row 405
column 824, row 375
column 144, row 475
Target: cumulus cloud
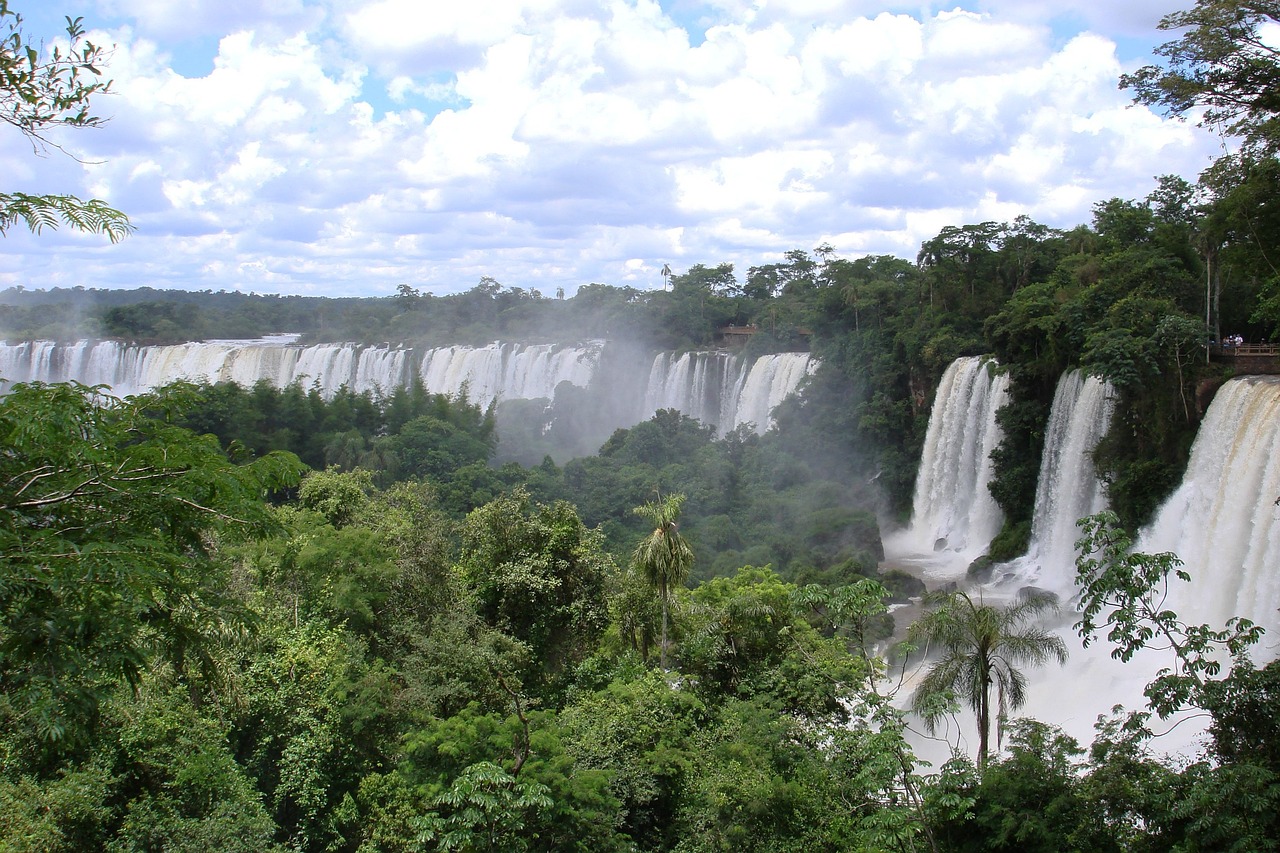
column 344, row 148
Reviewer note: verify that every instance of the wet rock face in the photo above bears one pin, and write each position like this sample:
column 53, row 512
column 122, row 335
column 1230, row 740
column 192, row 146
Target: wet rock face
column 981, row 569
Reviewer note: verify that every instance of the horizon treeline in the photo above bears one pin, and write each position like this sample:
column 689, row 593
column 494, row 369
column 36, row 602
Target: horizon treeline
column 1133, row 298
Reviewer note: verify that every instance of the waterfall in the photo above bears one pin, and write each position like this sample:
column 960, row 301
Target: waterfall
column 953, row 509
column 723, row 390
column 1223, row 521
column 1068, row 488
column 506, row 371
column 714, row 387
column 768, row 382
column 692, row 382
column 498, row 370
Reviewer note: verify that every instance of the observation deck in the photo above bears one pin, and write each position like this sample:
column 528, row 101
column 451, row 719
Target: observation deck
column 1248, row 358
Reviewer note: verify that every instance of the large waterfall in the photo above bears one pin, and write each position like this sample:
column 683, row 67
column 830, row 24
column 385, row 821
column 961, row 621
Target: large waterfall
column 953, row 511
column 724, row 390
column 716, row 388
column 1068, row 488
column 1223, row 521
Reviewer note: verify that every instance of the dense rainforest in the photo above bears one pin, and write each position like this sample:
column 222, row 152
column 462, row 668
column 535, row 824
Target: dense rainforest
column 270, row 619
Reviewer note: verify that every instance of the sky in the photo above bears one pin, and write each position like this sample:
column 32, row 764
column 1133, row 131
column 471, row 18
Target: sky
column 345, row 147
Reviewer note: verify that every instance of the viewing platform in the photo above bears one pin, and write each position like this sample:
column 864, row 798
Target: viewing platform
column 1248, row 358
column 734, row 336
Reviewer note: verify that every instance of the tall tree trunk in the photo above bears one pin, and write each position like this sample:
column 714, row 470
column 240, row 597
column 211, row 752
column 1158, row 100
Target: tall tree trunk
column 662, row 648
column 984, row 719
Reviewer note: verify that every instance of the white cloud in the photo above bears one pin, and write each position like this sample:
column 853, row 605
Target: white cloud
column 349, row 147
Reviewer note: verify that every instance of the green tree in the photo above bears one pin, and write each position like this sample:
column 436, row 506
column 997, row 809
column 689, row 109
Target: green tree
column 38, row 93
column 485, row 809
column 1123, row 592
column 664, row 556
column 108, row 514
column 1223, row 62
column 980, row 647
column 538, row 574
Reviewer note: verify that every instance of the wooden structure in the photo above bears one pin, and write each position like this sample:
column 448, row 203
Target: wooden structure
column 735, row 336
column 1248, row 358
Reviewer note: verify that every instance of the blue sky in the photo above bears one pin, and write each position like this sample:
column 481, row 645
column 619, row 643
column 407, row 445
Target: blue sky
column 343, row 148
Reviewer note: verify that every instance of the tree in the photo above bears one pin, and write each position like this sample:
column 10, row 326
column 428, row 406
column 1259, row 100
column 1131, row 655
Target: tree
column 981, row 645
column 538, row 574
column 108, row 515
column 39, row 93
column 1125, row 592
column 663, row 556
column 1223, row 62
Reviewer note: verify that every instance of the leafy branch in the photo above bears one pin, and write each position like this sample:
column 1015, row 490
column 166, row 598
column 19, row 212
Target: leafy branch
column 1125, row 593
column 38, row 212
column 39, row 89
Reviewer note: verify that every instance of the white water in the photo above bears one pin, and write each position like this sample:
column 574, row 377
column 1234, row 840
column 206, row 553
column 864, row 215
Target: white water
column 1223, row 522
column 498, row 370
column 1068, row 487
column 715, row 388
column 722, row 390
column 953, row 513
column 506, row 371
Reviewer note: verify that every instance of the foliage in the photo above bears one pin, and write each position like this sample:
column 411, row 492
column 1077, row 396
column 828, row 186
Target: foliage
column 1221, row 62
column 41, row 91
column 663, row 557
column 538, row 575
column 484, row 810
column 1124, row 593
column 980, row 646
column 747, row 636
column 39, row 212
column 107, row 513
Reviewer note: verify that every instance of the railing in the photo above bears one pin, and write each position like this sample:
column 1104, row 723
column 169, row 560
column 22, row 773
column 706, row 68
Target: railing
column 1264, row 350
column 1248, row 358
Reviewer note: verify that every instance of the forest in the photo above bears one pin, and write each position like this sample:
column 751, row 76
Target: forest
column 260, row 618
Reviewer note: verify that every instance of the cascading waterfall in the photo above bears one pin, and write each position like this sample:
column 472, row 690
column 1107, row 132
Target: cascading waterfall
column 1223, row 521
column 716, row 388
column 724, row 390
column 1068, row 488
column 764, row 386
column 693, row 382
column 505, row 371
column 953, row 510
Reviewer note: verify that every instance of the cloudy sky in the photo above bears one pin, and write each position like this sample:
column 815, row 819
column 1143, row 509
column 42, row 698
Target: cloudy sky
column 342, row 147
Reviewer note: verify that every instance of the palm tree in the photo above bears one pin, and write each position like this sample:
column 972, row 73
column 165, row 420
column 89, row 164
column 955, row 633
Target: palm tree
column 981, row 646
column 663, row 556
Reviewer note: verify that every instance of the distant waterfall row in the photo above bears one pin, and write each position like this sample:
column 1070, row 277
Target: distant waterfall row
column 716, row 388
